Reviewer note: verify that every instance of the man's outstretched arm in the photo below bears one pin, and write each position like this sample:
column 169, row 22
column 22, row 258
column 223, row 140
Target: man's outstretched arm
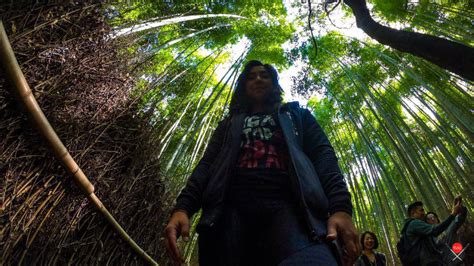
column 418, row 227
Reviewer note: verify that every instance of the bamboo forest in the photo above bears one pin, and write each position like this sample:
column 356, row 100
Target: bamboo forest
column 133, row 91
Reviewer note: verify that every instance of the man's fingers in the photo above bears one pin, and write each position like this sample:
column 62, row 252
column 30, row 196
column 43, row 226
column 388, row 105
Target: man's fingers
column 185, row 231
column 458, row 198
column 170, row 236
column 340, row 227
column 347, row 261
column 332, row 231
column 357, row 243
column 352, row 247
column 171, row 244
column 168, row 248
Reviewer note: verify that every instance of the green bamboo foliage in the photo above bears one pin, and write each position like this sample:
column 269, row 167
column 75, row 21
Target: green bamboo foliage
column 405, row 146
column 443, row 21
column 163, row 21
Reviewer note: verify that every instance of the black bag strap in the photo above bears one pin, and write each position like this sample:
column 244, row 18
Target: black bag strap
column 404, row 233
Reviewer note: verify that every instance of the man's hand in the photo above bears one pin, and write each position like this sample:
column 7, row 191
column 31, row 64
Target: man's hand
column 178, row 225
column 457, row 199
column 457, row 206
column 340, row 227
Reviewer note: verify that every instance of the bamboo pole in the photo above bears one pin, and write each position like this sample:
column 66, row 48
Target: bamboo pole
column 21, row 88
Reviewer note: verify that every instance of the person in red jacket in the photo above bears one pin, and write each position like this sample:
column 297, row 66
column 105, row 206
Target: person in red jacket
column 269, row 186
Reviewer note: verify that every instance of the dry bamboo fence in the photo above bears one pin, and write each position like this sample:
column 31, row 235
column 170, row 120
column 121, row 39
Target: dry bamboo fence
column 80, row 81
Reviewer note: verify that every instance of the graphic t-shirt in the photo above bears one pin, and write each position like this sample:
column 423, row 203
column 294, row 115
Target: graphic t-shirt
column 260, row 181
column 263, row 144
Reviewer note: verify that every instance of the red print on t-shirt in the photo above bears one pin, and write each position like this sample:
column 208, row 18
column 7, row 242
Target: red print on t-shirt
column 262, row 144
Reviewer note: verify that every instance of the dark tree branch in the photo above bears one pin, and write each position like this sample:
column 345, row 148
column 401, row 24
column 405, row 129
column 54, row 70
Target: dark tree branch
column 328, row 13
column 450, row 55
column 326, row 4
column 310, row 12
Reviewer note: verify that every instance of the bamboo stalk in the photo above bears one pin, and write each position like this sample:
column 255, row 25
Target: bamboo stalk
column 15, row 76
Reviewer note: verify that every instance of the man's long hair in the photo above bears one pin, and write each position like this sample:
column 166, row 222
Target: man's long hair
column 240, row 101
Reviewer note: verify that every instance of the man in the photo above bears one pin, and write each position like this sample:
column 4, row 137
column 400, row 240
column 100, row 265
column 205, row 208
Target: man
column 449, row 237
column 269, row 186
column 423, row 235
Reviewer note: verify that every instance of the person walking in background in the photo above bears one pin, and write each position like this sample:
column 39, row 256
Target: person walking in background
column 269, row 186
column 370, row 257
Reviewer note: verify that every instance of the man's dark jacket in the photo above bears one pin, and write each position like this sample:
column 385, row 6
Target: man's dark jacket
column 424, row 235
column 315, row 177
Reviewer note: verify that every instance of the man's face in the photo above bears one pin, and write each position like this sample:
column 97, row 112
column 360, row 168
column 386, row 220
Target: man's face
column 258, row 85
column 418, row 213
